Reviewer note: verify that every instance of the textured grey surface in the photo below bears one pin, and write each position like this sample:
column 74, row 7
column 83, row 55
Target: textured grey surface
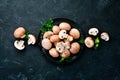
column 100, row 64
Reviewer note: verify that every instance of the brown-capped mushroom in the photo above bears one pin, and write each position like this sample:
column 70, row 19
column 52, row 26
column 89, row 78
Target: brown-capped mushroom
column 104, row 36
column 54, row 38
column 69, row 38
column 46, row 44
column 56, row 29
column 75, row 48
column 19, row 32
column 53, row 52
column 64, row 26
column 89, row 42
column 67, row 44
column 75, row 33
column 65, row 53
column 93, row 31
column 47, row 34
column 31, row 39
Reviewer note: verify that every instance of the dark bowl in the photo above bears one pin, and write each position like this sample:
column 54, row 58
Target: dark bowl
column 72, row 58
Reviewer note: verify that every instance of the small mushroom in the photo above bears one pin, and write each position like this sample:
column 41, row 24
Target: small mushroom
column 31, row 39
column 56, row 29
column 75, row 33
column 105, row 36
column 64, row 26
column 60, row 46
column 47, row 34
column 93, row 31
column 54, row 38
column 19, row 44
column 67, row 44
column 75, row 48
column 65, row 54
column 70, row 38
column 19, row 32
column 53, row 52
column 46, row 44
column 63, row 34
column 89, row 42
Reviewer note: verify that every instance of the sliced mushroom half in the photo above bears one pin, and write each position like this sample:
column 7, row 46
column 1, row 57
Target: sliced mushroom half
column 19, row 44
column 31, row 39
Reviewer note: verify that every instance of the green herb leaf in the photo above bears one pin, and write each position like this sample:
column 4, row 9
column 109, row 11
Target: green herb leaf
column 49, row 23
column 43, row 30
column 62, row 59
column 97, row 40
column 96, row 46
column 81, row 41
column 26, row 34
column 68, row 59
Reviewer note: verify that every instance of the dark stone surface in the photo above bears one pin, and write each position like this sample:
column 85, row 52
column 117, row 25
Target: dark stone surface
column 100, row 64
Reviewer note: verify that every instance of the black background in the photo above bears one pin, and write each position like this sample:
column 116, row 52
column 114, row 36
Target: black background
column 30, row 64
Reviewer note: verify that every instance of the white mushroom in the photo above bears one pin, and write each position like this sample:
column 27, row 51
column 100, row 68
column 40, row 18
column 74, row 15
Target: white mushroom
column 105, row 36
column 19, row 44
column 89, row 42
column 75, row 33
column 93, row 31
column 65, row 26
column 46, row 44
column 60, row 46
column 47, row 34
column 53, row 52
column 56, row 29
column 63, row 34
column 19, row 32
column 31, row 39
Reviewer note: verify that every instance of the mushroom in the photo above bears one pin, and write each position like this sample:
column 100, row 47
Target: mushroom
column 19, row 32
column 75, row 33
column 64, row 26
column 75, row 48
column 93, row 31
column 70, row 38
column 47, row 34
column 54, row 38
column 19, row 44
column 31, row 39
column 105, row 36
column 56, row 29
column 67, row 44
column 53, row 52
column 65, row 54
column 89, row 42
column 60, row 46
column 46, row 44
column 63, row 34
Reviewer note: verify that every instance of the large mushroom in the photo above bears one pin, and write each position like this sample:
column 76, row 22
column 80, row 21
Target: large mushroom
column 19, row 44
column 46, row 44
column 19, row 32
column 56, row 29
column 31, row 39
column 75, row 48
column 74, row 33
column 54, row 38
column 65, row 53
column 64, row 26
column 89, row 42
column 53, row 52
column 47, row 34
column 93, row 31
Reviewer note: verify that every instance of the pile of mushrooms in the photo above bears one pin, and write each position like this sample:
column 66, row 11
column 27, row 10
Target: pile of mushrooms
column 89, row 41
column 19, row 33
column 60, row 41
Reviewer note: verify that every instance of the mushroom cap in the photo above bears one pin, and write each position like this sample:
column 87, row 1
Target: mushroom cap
column 31, row 39
column 54, row 38
column 63, row 34
column 93, row 31
column 19, row 44
column 56, row 29
column 89, row 42
column 46, row 44
column 65, row 26
column 65, row 53
column 70, row 38
column 105, row 36
column 75, row 48
column 19, row 32
column 47, row 34
column 53, row 52
column 75, row 33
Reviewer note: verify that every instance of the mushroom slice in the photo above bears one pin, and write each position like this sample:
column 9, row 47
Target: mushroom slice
column 60, row 46
column 89, row 42
column 63, row 34
column 93, row 31
column 19, row 44
column 105, row 36
column 31, row 39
